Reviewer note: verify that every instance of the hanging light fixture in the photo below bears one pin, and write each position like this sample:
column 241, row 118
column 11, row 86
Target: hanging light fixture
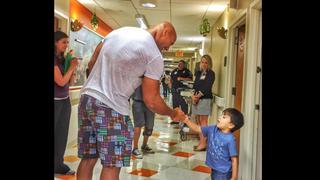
column 94, row 22
column 205, row 27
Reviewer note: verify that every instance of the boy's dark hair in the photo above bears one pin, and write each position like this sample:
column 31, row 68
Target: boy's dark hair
column 236, row 118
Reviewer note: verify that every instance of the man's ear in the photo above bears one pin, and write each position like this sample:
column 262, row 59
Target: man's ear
column 165, row 32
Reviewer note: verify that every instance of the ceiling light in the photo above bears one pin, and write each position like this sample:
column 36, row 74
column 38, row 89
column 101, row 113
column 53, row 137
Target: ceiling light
column 194, row 39
column 148, row 3
column 86, row 2
column 217, row 7
column 184, row 48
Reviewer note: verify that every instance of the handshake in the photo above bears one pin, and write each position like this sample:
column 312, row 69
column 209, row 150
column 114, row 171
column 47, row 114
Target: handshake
column 178, row 115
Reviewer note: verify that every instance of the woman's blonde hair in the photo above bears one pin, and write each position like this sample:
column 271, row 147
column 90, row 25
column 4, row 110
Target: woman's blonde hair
column 209, row 60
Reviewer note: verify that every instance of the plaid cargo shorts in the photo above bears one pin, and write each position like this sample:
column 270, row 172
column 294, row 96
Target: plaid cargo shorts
column 104, row 133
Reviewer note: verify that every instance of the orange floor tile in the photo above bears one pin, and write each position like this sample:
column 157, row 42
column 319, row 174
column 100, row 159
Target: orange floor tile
column 155, row 134
column 71, row 158
column 144, row 172
column 203, row 169
column 170, row 143
column 183, row 154
column 67, row 177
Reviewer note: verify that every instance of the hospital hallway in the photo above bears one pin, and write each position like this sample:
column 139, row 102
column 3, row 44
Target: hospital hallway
column 173, row 158
column 217, row 44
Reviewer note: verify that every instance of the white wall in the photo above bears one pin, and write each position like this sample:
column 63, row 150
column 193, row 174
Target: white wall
column 217, row 48
column 248, row 165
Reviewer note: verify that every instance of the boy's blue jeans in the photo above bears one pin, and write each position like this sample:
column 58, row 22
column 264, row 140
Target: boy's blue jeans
column 216, row 175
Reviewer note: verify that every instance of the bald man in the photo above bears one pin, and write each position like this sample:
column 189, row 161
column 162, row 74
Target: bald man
column 127, row 58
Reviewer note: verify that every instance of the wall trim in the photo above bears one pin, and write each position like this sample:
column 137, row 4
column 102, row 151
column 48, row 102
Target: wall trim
column 239, row 19
column 249, row 133
column 61, row 14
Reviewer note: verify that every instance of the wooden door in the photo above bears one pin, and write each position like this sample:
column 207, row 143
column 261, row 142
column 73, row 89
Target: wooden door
column 239, row 75
column 56, row 24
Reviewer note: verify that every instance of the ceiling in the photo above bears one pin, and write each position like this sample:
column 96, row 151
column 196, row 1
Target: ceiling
column 186, row 16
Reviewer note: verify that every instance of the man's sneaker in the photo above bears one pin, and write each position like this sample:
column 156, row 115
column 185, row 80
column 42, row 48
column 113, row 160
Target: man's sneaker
column 137, row 153
column 147, row 149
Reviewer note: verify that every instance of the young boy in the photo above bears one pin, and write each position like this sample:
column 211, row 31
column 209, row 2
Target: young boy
column 222, row 154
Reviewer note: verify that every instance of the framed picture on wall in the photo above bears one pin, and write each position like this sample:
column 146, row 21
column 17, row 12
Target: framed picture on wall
column 83, row 43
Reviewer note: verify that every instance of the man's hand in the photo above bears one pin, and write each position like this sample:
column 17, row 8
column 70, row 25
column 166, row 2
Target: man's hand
column 177, row 115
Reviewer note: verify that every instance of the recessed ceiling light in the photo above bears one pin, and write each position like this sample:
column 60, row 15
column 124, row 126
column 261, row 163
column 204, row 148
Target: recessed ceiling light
column 217, row 7
column 148, row 3
column 86, row 1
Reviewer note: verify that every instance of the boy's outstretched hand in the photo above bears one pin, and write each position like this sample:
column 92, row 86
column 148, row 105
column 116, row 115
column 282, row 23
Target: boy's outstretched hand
column 185, row 118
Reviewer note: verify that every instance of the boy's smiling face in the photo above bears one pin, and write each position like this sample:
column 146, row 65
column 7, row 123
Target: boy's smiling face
column 224, row 123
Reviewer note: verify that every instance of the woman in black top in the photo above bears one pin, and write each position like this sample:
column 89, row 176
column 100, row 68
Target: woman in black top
column 62, row 106
column 202, row 97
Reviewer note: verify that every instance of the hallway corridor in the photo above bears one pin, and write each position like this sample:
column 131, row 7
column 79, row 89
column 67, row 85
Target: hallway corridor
column 174, row 159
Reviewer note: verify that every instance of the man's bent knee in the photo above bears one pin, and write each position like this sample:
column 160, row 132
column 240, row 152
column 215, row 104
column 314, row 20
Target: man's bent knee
column 147, row 132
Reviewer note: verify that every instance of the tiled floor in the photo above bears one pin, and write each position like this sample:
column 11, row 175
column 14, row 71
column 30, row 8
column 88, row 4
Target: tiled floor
column 174, row 159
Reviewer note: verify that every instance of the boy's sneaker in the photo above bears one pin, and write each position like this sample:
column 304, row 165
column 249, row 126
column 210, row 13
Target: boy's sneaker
column 137, row 153
column 147, row 149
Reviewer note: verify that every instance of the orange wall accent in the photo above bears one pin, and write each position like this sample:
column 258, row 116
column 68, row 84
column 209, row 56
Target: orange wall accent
column 78, row 11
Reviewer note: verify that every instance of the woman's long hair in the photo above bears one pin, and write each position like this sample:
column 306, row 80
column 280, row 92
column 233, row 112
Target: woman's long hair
column 209, row 60
column 57, row 36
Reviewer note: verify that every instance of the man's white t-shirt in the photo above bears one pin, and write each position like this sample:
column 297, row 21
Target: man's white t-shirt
column 127, row 55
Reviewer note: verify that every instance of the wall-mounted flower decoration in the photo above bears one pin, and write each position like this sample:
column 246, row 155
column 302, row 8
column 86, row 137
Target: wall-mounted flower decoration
column 76, row 25
column 222, row 32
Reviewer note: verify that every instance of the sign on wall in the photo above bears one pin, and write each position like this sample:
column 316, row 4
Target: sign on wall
column 179, row 53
